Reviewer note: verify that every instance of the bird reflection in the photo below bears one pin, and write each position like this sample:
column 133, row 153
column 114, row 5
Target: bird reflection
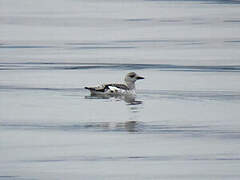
column 128, row 126
column 129, row 99
column 132, row 125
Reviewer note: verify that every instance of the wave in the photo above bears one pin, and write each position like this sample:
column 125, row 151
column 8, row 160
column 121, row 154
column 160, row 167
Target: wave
column 145, row 94
column 204, row 157
column 204, row 1
column 5, row 87
column 116, row 66
column 191, row 95
column 131, row 127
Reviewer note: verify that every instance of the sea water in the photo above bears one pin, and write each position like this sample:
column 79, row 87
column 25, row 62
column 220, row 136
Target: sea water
column 186, row 124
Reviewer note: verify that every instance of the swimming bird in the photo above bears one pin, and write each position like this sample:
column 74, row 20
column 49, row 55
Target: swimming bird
column 113, row 89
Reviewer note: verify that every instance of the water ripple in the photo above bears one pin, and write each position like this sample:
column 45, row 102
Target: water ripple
column 132, row 127
column 3, row 87
column 204, row 1
column 206, row 157
column 143, row 93
column 191, row 95
column 116, row 66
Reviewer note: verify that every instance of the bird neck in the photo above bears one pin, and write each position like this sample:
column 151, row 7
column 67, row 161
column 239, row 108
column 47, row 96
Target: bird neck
column 130, row 85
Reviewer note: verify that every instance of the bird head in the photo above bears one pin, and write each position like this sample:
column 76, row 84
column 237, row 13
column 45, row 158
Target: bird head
column 132, row 77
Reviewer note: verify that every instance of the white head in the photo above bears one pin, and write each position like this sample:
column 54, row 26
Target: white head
column 131, row 78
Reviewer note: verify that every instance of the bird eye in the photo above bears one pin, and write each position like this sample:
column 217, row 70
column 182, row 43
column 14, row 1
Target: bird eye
column 132, row 76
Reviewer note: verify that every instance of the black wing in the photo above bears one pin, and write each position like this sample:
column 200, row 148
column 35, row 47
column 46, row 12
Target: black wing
column 99, row 88
column 105, row 87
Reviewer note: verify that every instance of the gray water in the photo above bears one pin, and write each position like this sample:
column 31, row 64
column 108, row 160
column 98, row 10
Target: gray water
column 186, row 124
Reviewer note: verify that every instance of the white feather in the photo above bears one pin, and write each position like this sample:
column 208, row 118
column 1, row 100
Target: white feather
column 114, row 89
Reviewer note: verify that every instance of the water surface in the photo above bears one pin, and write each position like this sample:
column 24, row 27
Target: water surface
column 185, row 124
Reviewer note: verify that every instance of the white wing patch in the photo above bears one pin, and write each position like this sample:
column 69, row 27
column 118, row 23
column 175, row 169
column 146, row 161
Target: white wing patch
column 114, row 89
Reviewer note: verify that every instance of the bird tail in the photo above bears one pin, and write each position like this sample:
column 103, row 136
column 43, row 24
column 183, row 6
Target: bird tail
column 89, row 88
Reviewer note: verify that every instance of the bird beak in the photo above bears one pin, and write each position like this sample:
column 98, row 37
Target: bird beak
column 139, row 77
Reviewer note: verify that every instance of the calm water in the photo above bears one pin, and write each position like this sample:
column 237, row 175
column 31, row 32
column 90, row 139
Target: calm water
column 186, row 124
